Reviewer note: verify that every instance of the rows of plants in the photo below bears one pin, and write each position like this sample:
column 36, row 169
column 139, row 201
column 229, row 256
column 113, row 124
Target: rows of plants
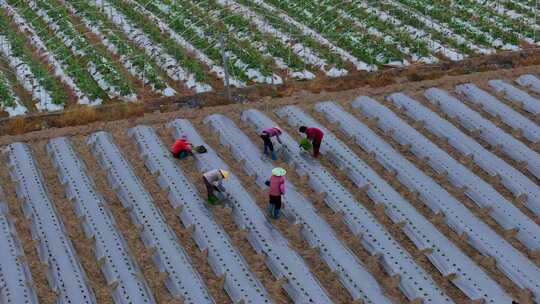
column 269, row 46
column 419, row 35
column 195, row 26
column 277, row 30
column 9, row 101
column 529, row 7
column 324, row 18
column 34, row 76
column 66, row 66
column 138, row 13
column 308, row 32
column 171, row 57
column 97, row 60
column 442, row 28
column 474, row 29
column 501, row 19
column 423, row 28
column 133, row 59
column 526, row 11
column 485, row 22
column 333, row 60
column 383, row 17
column 156, row 41
column 259, row 65
column 417, row 50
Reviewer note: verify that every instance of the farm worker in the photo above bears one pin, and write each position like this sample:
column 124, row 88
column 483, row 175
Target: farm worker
column 213, row 180
column 266, row 136
column 316, row 136
column 181, row 148
column 276, row 186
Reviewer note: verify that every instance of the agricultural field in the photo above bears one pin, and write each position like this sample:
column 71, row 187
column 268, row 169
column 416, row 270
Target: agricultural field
column 56, row 53
column 425, row 192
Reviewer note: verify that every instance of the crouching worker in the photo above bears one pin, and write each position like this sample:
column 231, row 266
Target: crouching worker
column 266, row 136
column 181, row 148
column 213, row 180
column 315, row 135
column 277, row 189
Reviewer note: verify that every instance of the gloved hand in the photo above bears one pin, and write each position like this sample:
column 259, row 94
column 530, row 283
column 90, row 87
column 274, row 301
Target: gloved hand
column 267, row 183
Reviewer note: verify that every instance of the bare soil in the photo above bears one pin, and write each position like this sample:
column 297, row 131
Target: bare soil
column 306, row 100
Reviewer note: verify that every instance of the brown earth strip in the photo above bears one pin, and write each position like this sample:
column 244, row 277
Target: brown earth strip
column 73, row 225
column 387, row 282
column 199, row 261
column 225, row 219
column 394, row 229
column 466, row 161
column 521, row 167
column 329, row 281
column 502, row 65
column 22, row 225
column 437, row 221
column 497, row 121
column 444, row 182
column 124, row 224
column 515, row 106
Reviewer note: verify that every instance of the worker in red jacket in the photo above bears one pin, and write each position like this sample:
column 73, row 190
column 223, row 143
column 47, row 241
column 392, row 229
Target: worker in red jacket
column 181, row 148
column 316, row 136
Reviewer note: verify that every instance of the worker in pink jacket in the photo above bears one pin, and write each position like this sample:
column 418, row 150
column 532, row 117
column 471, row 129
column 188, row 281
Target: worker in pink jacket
column 266, row 136
column 276, row 186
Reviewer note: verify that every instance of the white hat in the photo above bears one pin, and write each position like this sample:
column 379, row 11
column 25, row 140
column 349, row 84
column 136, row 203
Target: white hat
column 278, row 171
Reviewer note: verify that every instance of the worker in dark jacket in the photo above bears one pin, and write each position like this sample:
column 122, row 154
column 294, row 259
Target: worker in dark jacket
column 213, row 180
column 316, row 136
column 277, row 189
column 181, row 148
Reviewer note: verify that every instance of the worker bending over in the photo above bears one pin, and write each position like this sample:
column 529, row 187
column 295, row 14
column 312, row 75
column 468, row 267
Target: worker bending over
column 266, row 136
column 181, row 148
column 276, row 186
column 213, row 180
column 315, row 135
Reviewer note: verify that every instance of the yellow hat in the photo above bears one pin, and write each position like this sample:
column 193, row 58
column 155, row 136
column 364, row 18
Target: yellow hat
column 278, row 171
column 224, row 173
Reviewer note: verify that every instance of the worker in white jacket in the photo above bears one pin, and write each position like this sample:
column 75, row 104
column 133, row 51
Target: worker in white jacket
column 213, row 181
